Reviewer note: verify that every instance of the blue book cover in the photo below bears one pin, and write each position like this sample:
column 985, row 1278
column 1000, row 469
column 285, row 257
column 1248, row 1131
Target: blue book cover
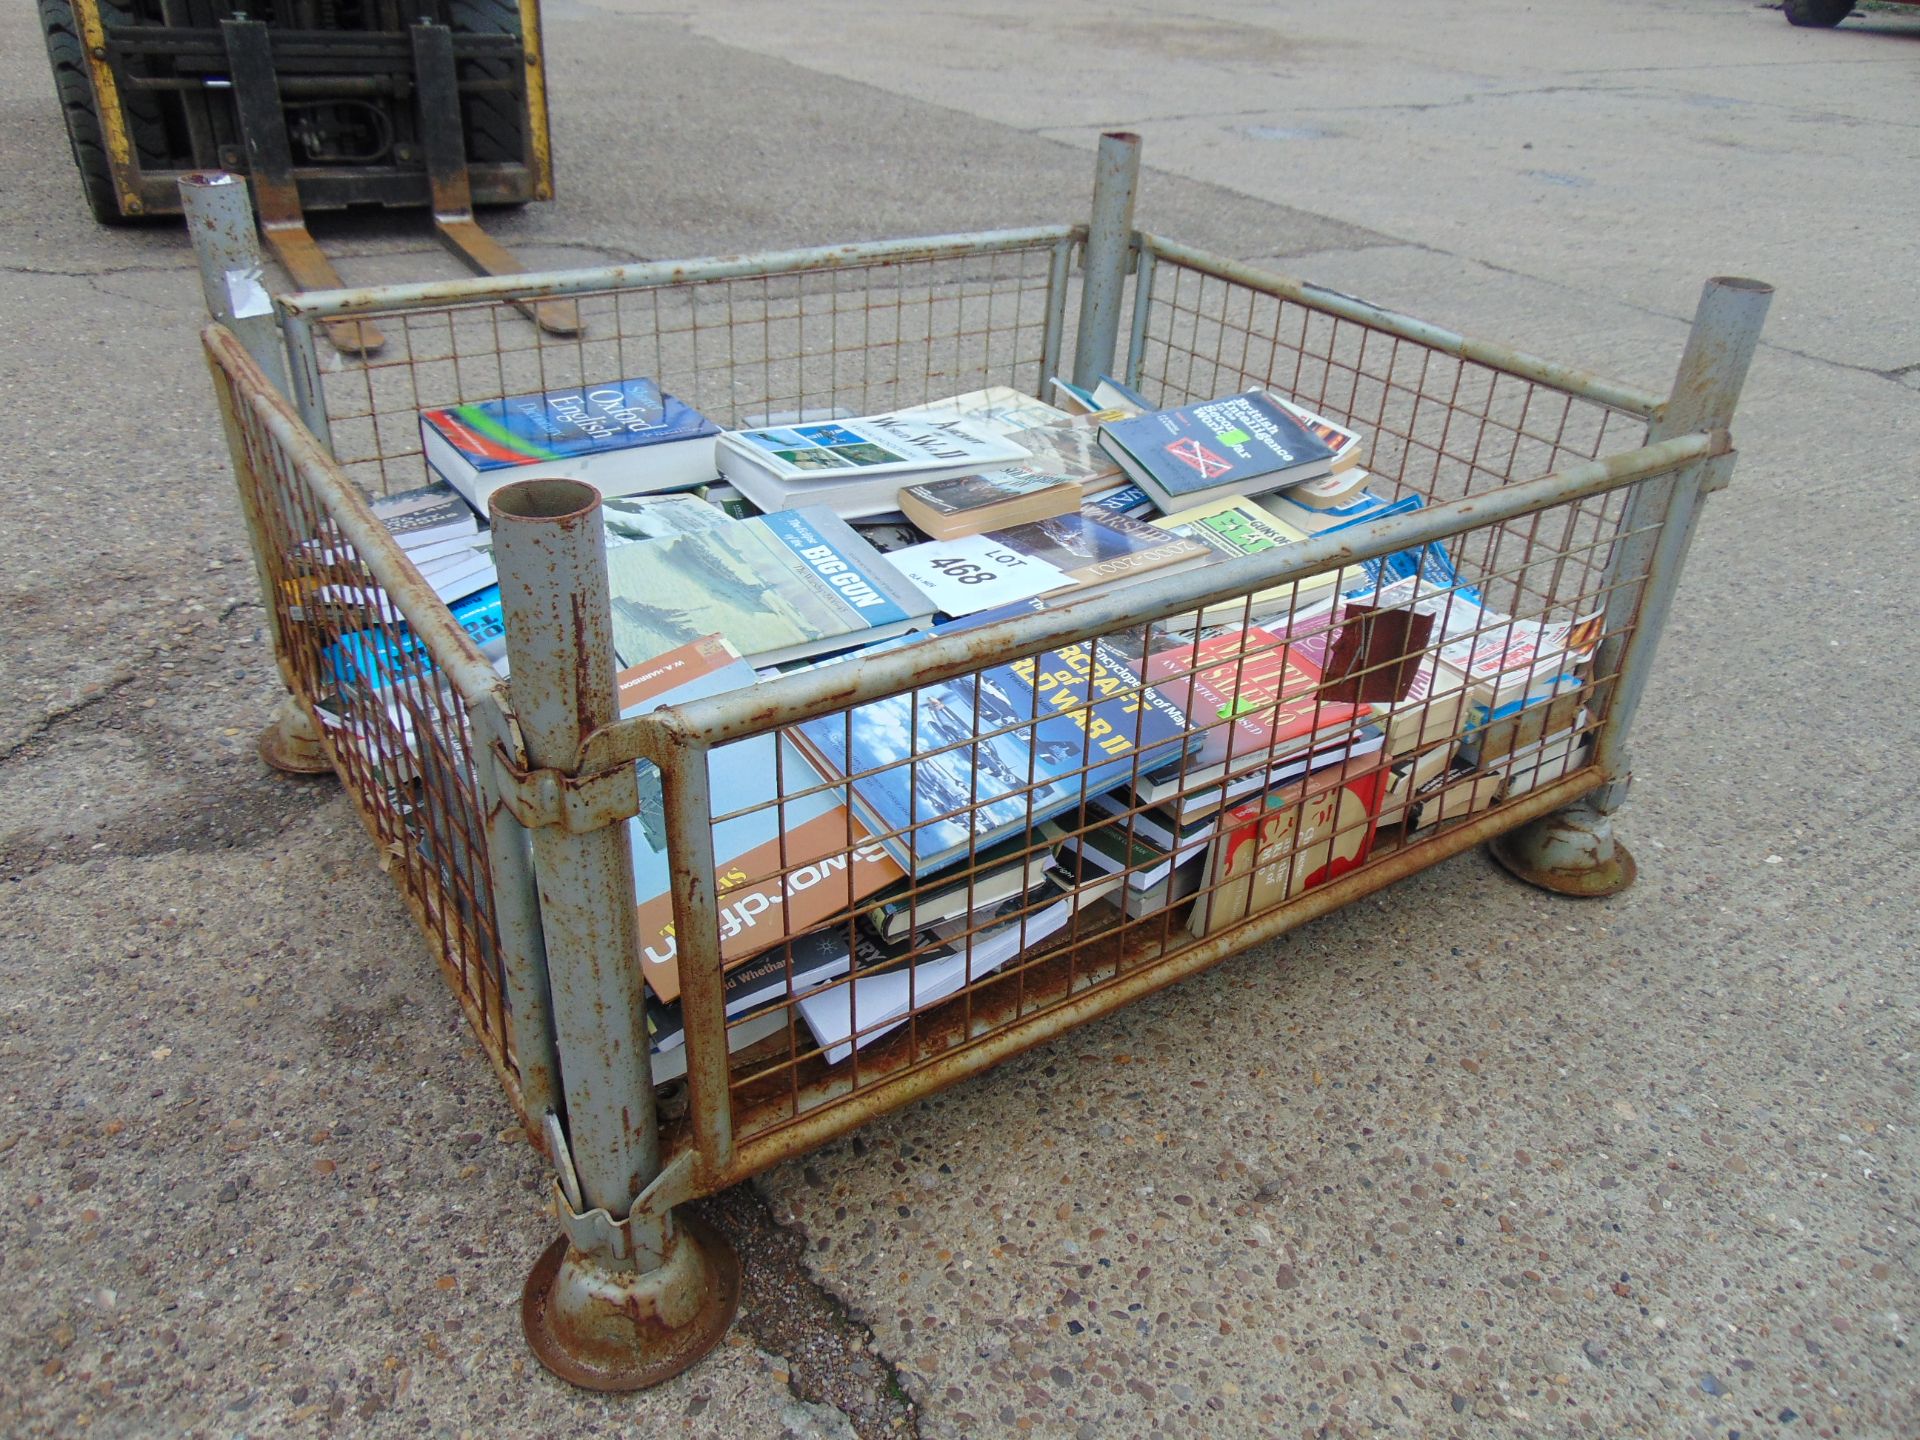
column 374, row 659
column 566, row 424
column 997, row 752
column 1238, row 444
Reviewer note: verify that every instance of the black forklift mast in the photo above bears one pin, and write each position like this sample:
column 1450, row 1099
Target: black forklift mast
column 321, row 104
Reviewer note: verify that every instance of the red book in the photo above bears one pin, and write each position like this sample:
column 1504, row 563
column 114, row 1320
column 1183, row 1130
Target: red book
column 1287, row 841
column 1259, row 699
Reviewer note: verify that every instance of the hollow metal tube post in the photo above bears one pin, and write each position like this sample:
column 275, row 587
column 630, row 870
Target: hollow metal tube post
column 548, row 544
column 220, row 223
column 219, row 220
column 1116, row 179
column 1573, row 852
column 630, row 1294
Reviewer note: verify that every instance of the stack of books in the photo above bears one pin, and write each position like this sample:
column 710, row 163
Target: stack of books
column 1188, row 773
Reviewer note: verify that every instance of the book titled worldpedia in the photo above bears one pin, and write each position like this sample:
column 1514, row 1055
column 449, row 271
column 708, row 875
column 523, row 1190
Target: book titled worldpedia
column 958, row 765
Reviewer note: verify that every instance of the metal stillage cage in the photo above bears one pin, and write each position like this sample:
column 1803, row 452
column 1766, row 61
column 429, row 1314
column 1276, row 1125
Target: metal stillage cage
column 1541, row 515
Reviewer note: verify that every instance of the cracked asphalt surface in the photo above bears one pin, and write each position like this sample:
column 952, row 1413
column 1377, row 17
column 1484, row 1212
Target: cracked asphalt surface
column 1459, row 1161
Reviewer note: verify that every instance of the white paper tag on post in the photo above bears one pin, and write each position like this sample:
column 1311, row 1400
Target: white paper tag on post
column 246, row 295
column 976, row 572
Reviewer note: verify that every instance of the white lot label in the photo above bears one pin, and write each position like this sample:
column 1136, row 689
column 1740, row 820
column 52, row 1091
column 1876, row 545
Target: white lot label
column 975, row 572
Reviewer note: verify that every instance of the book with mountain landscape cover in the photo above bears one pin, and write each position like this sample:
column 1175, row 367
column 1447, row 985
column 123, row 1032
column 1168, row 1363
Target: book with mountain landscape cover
column 1288, row 841
column 855, row 467
column 623, row 437
column 780, row 587
column 1235, row 445
column 956, row 766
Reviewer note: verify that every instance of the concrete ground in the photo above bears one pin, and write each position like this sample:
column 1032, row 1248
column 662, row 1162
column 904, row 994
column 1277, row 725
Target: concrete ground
column 1471, row 1161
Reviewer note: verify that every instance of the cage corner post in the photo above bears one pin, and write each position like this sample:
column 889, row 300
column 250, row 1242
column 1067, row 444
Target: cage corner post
column 633, row 1292
column 1109, row 250
column 219, row 220
column 1574, row 851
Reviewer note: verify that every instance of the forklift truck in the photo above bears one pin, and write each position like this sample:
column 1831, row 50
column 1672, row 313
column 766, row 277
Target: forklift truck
column 321, row 104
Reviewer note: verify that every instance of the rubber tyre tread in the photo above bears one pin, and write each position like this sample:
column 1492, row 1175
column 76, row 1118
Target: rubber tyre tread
column 73, row 85
column 494, row 134
column 1817, row 14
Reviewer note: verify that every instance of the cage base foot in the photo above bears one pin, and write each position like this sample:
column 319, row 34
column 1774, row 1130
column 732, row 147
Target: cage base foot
column 291, row 745
column 603, row 1328
column 1570, row 852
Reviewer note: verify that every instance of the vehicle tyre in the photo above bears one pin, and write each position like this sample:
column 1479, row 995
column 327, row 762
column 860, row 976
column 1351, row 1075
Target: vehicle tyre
column 1821, row 13
column 73, row 84
column 493, row 133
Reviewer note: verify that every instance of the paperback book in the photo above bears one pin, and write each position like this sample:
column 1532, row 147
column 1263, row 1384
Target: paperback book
column 1236, row 445
column 955, row 767
column 1289, row 841
column 1095, row 549
column 788, row 860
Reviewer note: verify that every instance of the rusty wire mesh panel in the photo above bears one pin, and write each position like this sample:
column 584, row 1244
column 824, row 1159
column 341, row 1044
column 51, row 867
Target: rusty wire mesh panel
column 1109, row 891
column 1440, row 427
column 399, row 732
column 852, row 339
column 898, row 973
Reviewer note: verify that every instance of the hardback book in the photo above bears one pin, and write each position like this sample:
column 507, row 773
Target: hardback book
column 1236, row 445
column 424, row 516
column 995, row 500
column 856, row 467
column 789, row 861
column 928, row 968
column 780, row 587
column 1345, row 444
column 957, row 766
column 1235, row 526
column 1095, row 549
column 1159, row 825
column 1552, row 705
column 1149, row 876
column 1256, row 701
column 624, row 437
column 1288, row 841
column 1012, row 867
